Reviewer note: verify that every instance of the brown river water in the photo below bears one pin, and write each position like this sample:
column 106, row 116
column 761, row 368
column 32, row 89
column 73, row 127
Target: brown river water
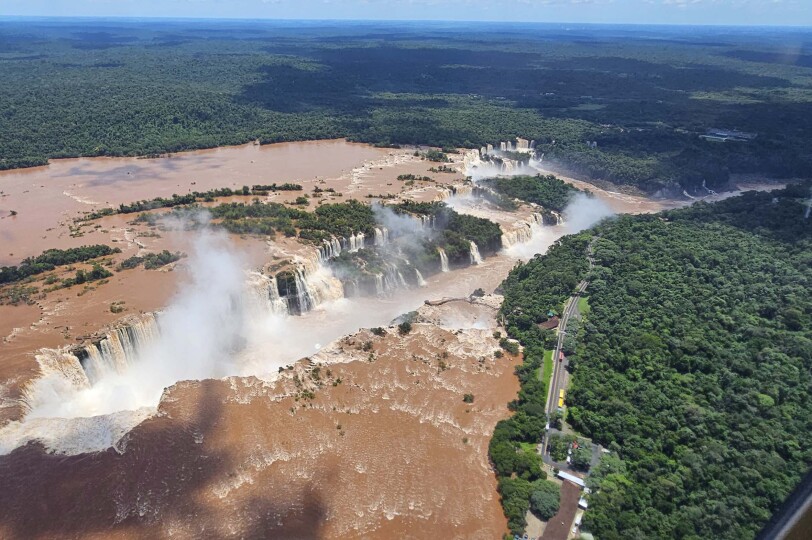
column 48, row 198
column 390, row 449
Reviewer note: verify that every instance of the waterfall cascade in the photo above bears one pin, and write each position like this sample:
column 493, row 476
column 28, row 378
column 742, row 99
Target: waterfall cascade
column 119, row 349
column 476, row 258
column 62, row 363
column 473, row 158
column 522, row 231
column 443, row 259
column 314, row 285
column 356, row 241
column 401, row 280
column 706, row 188
column 262, row 295
column 333, row 247
column 381, row 236
column 391, row 280
column 379, row 289
column 461, row 190
column 420, row 281
column 330, row 249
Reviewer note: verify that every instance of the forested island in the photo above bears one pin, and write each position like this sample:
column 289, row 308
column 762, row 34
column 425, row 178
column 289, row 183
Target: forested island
column 693, row 367
column 546, row 191
column 682, row 109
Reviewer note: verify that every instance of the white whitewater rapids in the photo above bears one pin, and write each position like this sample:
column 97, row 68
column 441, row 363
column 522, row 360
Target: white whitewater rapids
column 223, row 322
column 334, row 246
column 113, row 384
column 443, row 260
column 476, row 258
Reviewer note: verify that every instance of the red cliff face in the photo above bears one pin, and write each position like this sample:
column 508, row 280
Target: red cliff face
column 369, row 439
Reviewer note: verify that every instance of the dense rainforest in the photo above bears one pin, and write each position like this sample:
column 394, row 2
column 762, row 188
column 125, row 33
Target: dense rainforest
column 694, row 365
column 531, row 292
column 610, row 103
column 546, row 191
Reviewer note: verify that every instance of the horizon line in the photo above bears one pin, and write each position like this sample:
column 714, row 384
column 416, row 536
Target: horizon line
column 393, row 21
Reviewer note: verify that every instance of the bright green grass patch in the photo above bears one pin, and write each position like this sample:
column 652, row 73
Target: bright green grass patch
column 583, row 305
column 527, row 447
column 547, row 372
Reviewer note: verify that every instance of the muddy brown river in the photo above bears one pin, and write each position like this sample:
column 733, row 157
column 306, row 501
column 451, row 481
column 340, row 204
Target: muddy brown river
column 375, row 443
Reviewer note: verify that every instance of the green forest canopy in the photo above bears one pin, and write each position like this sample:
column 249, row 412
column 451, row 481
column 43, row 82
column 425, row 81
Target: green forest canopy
column 546, row 191
column 136, row 88
column 694, row 365
column 52, row 258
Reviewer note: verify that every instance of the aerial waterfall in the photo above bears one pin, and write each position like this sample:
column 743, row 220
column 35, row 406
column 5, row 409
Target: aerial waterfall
column 476, row 258
column 381, row 236
column 379, row 290
column 330, row 249
column 116, row 352
column 262, row 295
column 196, row 337
column 356, row 241
column 313, row 285
column 523, row 231
column 443, row 259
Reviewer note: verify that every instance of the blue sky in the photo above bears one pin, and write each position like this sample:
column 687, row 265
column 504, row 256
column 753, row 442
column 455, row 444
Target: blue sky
column 752, row 12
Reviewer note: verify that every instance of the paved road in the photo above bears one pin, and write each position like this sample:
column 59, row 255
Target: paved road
column 558, row 380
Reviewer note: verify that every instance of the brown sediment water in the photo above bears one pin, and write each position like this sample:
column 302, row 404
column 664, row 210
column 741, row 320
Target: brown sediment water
column 390, row 450
column 13, row 319
column 47, row 199
column 621, row 203
column 305, row 335
column 50, row 197
column 364, row 448
column 68, row 317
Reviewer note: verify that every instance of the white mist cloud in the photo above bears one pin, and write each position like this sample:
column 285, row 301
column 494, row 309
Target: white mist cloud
column 398, row 224
column 212, row 329
column 580, row 214
column 200, row 332
column 583, row 212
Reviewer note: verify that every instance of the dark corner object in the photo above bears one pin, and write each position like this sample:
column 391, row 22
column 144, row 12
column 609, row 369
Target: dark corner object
column 793, row 521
